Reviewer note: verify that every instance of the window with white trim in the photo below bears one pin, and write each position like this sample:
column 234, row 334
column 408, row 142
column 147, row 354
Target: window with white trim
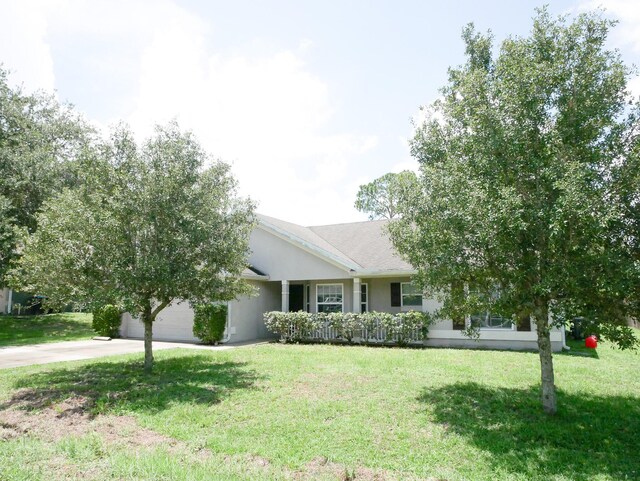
column 329, row 298
column 410, row 296
column 364, row 297
column 490, row 320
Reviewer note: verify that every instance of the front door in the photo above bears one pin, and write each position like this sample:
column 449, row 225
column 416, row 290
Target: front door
column 296, row 297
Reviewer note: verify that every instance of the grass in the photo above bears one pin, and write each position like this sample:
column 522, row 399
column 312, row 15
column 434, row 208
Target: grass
column 322, row 412
column 66, row 326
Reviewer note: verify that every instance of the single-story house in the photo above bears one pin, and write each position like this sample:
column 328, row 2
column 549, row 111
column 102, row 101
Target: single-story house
column 350, row 267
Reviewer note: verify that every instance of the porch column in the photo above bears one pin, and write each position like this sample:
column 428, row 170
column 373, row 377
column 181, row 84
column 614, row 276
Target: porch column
column 357, row 305
column 285, row 296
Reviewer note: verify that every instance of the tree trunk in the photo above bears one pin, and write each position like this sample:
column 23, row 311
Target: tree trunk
column 148, row 316
column 147, row 320
column 546, row 361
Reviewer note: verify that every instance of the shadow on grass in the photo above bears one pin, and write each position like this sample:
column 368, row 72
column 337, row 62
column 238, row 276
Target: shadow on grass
column 589, row 436
column 123, row 387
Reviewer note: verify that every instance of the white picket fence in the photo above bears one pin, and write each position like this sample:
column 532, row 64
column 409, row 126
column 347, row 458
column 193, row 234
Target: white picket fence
column 375, row 335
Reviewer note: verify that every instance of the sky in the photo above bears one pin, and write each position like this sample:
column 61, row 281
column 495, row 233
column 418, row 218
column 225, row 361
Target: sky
column 307, row 100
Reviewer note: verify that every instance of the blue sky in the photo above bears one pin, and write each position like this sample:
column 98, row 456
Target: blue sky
column 307, row 100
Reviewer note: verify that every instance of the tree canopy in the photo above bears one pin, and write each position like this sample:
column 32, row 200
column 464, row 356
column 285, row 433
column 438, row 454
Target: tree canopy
column 528, row 198
column 381, row 197
column 40, row 143
column 152, row 224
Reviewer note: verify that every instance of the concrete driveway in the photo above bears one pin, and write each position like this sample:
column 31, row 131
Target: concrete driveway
column 77, row 350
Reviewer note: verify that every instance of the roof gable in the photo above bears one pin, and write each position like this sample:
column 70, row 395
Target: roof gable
column 357, row 246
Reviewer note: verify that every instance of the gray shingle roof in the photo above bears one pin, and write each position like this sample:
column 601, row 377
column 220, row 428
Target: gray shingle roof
column 367, row 243
column 364, row 245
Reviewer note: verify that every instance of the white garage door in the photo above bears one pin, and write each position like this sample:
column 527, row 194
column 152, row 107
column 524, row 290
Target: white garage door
column 174, row 323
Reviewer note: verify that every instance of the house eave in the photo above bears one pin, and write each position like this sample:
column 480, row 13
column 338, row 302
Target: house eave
column 384, row 273
column 255, row 277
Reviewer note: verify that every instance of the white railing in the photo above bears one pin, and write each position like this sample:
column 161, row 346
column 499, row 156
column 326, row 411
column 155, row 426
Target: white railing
column 376, row 335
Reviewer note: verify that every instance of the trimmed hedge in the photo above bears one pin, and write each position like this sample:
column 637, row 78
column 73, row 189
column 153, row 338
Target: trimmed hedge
column 106, row 320
column 209, row 321
column 368, row 327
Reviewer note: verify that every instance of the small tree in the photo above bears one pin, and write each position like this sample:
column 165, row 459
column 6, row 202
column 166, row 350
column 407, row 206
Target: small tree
column 519, row 210
column 152, row 226
column 381, row 197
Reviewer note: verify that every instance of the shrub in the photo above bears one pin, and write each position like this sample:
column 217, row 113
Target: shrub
column 278, row 322
column 371, row 322
column 107, row 320
column 409, row 326
column 209, row 321
column 346, row 324
column 400, row 328
column 292, row 326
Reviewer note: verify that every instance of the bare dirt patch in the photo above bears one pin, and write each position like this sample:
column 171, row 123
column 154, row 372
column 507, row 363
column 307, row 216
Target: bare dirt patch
column 322, row 468
column 72, row 418
column 315, row 386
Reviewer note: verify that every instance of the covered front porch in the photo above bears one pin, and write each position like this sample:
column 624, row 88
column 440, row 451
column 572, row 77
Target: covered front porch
column 356, row 294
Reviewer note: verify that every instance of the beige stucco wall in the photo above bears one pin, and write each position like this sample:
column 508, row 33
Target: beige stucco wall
column 246, row 315
column 492, row 339
column 175, row 322
column 441, row 334
column 281, row 260
column 380, row 293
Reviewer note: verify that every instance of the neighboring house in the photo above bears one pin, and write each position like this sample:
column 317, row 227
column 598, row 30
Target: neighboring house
column 6, row 296
column 349, row 267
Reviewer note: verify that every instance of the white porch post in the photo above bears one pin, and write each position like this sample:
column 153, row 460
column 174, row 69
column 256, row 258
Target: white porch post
column 285, row 296
column 357, row 305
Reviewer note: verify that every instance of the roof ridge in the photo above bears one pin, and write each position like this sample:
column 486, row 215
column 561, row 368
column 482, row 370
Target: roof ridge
column 348, row 223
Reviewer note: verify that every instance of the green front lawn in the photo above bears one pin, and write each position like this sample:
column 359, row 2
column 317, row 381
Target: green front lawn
column 322, row 412
column 66, row 326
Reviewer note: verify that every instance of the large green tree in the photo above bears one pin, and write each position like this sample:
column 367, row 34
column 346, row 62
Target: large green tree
column 524, row 163
column 381, row 197
column 150, row 225
column 41, row 141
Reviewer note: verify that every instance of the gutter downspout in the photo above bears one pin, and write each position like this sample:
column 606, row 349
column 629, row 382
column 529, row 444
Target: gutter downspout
column 227, row 336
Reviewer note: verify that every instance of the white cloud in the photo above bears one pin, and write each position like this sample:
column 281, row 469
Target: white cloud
column 626, row 34
column 262, row 113
column 634, row 87
column 627, row 12
column 259, row 107
column 23, row 50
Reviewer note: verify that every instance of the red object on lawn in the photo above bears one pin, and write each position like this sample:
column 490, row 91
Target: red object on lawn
column 591, row 342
